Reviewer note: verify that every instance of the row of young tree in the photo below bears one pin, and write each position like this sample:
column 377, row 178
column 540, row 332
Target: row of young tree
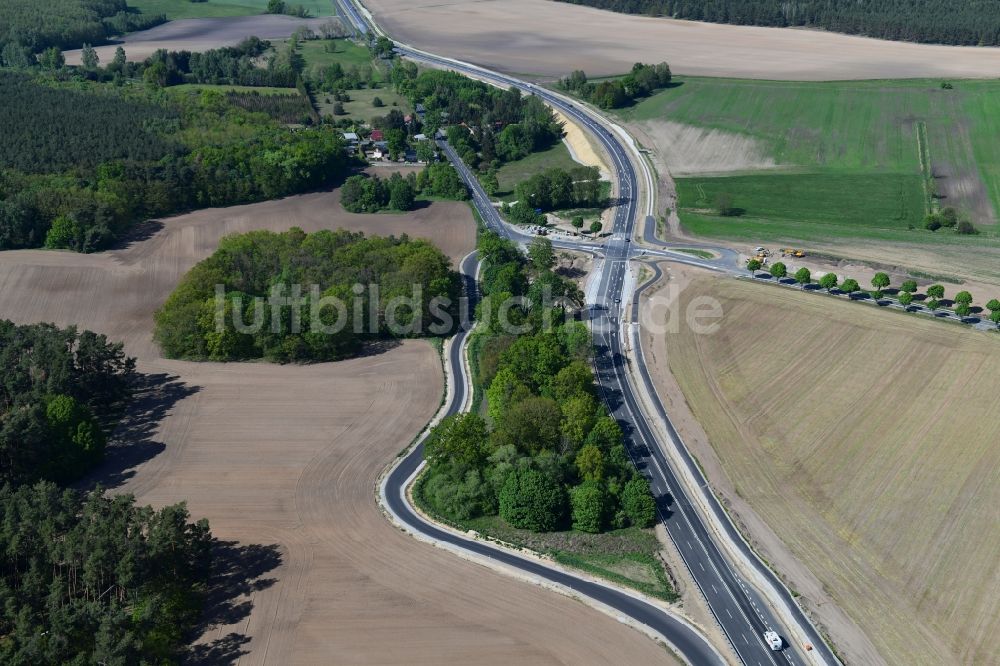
column 309, row 275
column 85, row 178
column 547, row 456
column 371, row 194
column 84, row 578
column 620, row 91
column 966, row 22
column 933, row 297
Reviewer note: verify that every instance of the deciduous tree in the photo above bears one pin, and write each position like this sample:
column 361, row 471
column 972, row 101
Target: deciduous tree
column 638, row 502
column 803, row 276
column 589, row 501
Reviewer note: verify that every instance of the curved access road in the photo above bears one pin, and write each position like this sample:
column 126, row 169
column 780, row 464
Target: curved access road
column 737, row 605
column 682, row 637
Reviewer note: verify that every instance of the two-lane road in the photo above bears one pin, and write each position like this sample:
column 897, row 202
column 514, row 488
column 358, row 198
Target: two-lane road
column 737, row 606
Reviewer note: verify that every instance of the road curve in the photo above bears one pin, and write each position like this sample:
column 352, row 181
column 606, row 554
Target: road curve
column 681, row 636
column 739, row 608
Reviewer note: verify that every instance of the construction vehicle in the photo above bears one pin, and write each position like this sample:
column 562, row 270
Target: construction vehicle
column 773, row 640
column 792, row 252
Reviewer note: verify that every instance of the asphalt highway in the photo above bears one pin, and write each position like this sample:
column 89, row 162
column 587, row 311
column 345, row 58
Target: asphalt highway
column 738, row 607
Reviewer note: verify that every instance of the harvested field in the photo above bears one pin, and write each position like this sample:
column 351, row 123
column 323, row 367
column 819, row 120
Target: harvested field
column 200, row 34
column 552, row 39
column 687, row 150
column 282, row 460
column 856, row 446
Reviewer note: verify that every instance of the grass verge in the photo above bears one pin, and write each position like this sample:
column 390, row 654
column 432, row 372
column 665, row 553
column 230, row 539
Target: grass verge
column 628, row 557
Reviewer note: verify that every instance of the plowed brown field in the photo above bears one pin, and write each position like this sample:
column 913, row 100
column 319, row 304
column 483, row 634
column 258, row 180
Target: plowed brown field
column 282, row 460
column 862, row 444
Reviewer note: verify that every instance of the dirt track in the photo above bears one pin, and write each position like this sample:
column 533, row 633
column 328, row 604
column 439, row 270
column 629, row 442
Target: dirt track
column 854, row 445
column 553, row 38
column 283, row 459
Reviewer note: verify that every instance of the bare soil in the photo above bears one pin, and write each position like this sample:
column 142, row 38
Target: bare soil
column 282, row 460
column 551, row 39
column 690, row 150
column 582, row 148
column 201, row 34
column 851, row 443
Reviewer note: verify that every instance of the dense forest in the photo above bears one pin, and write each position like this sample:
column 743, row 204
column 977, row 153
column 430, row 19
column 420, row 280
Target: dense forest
column 966, row 22
column 59, row 390
column 326, row 266
column 29, row 27
column 621, row 91
column 109, row 156
column 548, row 456
column 83, row 578
column 61, row 129
column 90, row 579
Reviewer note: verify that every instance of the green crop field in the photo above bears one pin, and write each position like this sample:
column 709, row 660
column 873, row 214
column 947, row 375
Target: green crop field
column 807, row 206
column 858, row 159
column 360, row 107
column 512, row 173
column 182, row 9
column 346, row 52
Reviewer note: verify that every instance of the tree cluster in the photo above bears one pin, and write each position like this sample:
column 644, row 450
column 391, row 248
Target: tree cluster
column 487, row 126
column 253, row 267
column 107, row 157
column 548, row 456
column 235, row 65
column 370, row 194
column 621, row 91
column 559, row 189
column 59, row 390
column 27, row 28
column 90, row 579
column 84, row 578
column 966, row 22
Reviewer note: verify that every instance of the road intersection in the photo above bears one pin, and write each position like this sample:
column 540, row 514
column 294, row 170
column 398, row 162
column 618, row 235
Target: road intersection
column 743, row 611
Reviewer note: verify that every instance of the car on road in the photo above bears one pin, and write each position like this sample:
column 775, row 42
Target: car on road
column 773, row 640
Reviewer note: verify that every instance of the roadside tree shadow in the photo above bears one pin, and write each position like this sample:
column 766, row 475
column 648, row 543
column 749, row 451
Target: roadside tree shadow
column 380, row 346
column 237, row 573
column 132, row 442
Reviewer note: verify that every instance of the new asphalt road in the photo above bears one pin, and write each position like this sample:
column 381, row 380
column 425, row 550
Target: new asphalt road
column 737, row 606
